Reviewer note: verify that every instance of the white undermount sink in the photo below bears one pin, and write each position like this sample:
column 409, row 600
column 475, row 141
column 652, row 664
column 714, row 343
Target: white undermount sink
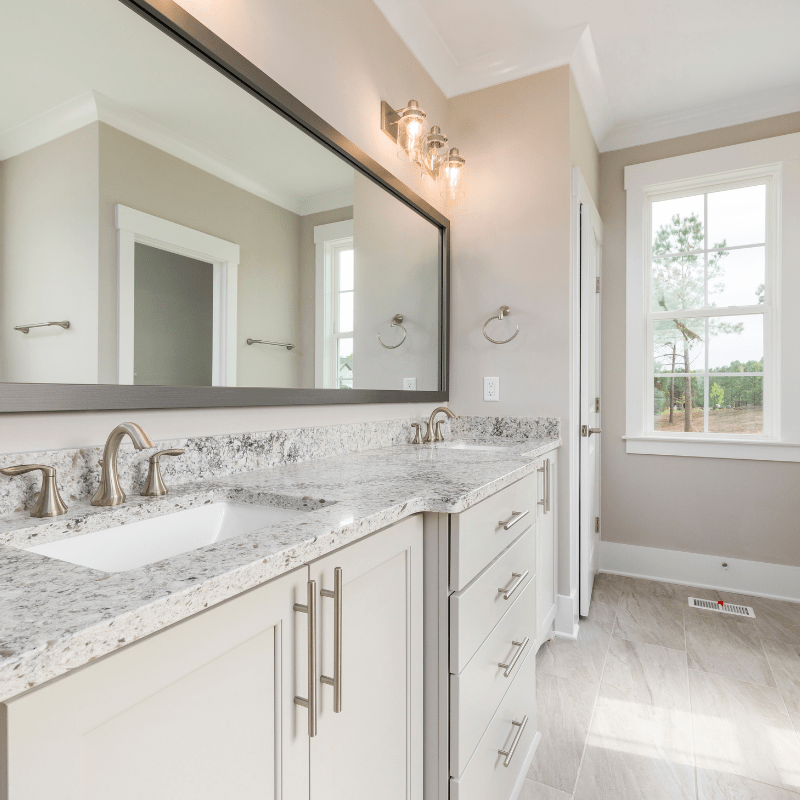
column 149, row 540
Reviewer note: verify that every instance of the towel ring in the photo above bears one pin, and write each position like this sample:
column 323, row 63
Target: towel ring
column 396, row 321
column 504, row 312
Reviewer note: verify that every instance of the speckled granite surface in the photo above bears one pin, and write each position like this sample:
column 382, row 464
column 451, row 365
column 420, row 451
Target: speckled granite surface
column 56, row 616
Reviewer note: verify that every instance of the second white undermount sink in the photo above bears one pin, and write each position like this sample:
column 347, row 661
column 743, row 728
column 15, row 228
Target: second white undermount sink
column 136, row 544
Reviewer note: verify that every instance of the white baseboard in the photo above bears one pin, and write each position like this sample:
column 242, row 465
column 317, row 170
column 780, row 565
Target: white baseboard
column 673, row 566
column 566, row 625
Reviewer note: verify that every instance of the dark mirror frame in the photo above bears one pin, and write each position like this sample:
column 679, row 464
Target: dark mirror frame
column 195, row 37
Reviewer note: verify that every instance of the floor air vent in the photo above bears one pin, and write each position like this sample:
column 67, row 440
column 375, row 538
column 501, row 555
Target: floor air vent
column 724, row 608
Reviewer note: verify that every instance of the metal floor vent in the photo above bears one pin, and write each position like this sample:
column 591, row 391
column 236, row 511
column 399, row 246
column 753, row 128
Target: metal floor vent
column 724, row 608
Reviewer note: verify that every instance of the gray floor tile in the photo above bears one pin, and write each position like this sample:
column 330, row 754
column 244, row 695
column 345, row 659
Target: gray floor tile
column 564, row 710
column 651, row 620
column 633, row 759
column 744, row 729
column 778, row 621
column 647, row 682
column 581, row 659
column 713, row 785
column 784, row 659
column 721, row 644
column 533, row 790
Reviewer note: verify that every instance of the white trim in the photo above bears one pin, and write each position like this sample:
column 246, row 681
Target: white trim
column 712, row 448
column 757, row 578
column 137, row 227
column 567, row 621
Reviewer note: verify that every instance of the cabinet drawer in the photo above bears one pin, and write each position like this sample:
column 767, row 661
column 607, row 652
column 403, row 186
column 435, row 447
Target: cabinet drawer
column 476, row 693
column 485, row 775
column 476, row 609
column 477, row 535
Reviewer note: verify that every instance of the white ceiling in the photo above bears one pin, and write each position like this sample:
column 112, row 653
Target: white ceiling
column 68, row 63
column 646, row 69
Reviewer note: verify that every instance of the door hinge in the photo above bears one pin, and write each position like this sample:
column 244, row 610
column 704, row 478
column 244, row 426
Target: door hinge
column 597, row 524
column 597, row 285
column 597, row 405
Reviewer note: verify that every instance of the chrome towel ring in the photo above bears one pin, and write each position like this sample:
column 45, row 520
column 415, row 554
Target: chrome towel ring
column 504, row 312
column 397, row 319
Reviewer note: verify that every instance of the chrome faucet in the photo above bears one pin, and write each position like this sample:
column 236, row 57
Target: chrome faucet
column 109, row 493
column 434, row 433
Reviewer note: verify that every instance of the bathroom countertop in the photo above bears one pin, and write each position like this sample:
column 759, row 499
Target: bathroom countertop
column 56, row 616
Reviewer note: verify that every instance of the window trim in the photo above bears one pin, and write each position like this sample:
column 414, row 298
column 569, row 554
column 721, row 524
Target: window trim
column 743, row 164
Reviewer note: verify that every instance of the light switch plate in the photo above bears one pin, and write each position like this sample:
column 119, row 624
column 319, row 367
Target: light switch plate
column 491, row 389
column 410, row 384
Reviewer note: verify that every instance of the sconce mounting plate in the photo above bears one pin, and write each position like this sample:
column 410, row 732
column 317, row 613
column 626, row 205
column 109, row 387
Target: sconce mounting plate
column 389, row 120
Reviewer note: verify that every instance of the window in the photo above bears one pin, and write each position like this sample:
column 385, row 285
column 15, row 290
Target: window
column 709, row 290
column 712, row 298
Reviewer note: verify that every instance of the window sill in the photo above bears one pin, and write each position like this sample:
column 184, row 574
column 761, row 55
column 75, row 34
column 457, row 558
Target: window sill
column 759, row 450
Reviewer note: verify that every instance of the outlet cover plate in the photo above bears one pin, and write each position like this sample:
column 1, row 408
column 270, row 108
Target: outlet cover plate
column 410, row 384
column 491, row 390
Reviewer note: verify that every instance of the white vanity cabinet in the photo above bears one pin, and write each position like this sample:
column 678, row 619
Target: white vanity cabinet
column 205, row 709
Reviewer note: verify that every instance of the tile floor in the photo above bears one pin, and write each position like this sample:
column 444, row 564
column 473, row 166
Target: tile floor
column 657, row 701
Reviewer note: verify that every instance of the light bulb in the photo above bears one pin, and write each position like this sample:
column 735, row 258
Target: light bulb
column 451, row 176
column 410, row 133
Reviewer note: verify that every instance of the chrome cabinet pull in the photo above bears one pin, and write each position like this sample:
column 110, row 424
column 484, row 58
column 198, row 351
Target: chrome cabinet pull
column 543, row 501
column 310, row 702
column 547, row 484
column 514, row 586
column 513, row 663
column 336, row 680
column 515, row 517
column 509, row 754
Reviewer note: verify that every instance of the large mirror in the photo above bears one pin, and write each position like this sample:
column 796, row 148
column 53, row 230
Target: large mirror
column 161, row 226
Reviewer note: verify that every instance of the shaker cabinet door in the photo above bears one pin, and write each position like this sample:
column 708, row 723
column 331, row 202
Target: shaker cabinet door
column 372, row 747
column 203, row 709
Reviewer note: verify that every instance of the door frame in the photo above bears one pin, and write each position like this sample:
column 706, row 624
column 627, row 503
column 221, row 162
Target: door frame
column 137, row 227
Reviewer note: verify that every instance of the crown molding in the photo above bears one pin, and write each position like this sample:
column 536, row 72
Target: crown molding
column 749, row 108
column 327, row 201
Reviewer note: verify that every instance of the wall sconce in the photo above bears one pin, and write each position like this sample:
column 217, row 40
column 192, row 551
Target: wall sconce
column 406, row 127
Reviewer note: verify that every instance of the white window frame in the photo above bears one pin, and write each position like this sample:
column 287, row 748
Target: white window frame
column 328, row 239
column 775, row 162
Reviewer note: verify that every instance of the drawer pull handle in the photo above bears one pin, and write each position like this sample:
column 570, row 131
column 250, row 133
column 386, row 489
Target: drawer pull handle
column 310, row 702
column 507, row 592
column 515, row 517
column 336, row 680
column 509, row 754
column 513, row 663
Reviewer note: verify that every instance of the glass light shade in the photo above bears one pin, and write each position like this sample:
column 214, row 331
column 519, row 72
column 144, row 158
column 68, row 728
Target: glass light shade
column 435, row 152
column 451, row 176
column 411, row 133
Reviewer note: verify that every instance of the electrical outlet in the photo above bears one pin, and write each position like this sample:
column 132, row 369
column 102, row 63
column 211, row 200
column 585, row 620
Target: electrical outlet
column 410, row 384
column 491, row 389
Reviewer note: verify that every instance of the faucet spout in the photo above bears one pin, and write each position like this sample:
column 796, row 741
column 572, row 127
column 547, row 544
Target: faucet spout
column 110, row 493
column 433, row 435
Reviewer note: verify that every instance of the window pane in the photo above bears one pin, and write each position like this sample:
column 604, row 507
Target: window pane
column 736, row 277
column 345, row 270
column 678, row 405
column 345, row 312
column 737, row 216
column 736, row 405
column 677, row 283
column 736, row 344
column 678, row 345
column 344, row 363
column 677, row 225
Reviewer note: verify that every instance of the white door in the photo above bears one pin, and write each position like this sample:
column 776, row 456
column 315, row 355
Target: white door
column 590, row 401
column 372, row 747
column 202, row 710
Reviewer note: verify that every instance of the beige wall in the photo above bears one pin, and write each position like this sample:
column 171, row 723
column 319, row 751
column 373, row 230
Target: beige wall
column 582, row 147
column 48, row 261
column 365, row 62
column 737, row 509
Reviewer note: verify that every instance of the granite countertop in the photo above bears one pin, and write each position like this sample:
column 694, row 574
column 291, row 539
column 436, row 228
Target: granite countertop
column 56, row 616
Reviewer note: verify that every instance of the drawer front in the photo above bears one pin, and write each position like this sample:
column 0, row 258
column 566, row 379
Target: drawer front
column 486, row 775
column 475, row 610
column 476, row 535
column 476, row 693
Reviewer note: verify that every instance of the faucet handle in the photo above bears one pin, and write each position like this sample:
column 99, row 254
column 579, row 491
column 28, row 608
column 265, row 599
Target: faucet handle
column 418, row 435
column 154, row 485
column 438, row 436
column 49, row 502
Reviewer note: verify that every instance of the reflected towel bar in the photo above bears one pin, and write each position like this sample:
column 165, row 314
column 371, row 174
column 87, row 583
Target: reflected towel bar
column 277, row 344
column 25, row 328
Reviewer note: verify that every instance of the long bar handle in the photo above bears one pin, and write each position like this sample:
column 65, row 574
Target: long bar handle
column 547, row 482
column 513, row 663
column 336, row 680
column 515, row 517
column 26, row 328
column 514, row 586
column 310, row 702
column 509, row 754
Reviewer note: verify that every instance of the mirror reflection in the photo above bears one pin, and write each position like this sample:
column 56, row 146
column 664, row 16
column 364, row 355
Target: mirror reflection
column 187, row 233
